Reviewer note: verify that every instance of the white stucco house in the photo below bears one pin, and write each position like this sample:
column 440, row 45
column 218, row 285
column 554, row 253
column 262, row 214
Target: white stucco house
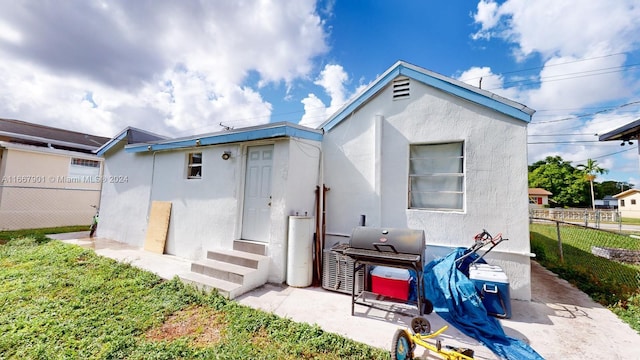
column 415, row 149
column 629, row 203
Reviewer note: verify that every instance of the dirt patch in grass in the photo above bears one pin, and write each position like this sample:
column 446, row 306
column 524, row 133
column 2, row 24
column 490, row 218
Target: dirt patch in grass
column 203, row 325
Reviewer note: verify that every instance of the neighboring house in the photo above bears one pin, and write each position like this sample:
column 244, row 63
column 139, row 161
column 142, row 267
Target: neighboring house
column 48, row 176
column 539, row 197
column 629, row 203
column 607, row 202
column 414, row 150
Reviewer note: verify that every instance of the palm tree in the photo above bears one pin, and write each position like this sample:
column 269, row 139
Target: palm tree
column 590, row 170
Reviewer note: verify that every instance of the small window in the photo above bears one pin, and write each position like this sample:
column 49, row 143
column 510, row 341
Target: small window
column 436, row 176
column 83, row 168
column 194, row 168
column 633, row 201
column 621, row 202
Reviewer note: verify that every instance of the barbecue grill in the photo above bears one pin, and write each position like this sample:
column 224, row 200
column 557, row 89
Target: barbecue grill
column 394, row 247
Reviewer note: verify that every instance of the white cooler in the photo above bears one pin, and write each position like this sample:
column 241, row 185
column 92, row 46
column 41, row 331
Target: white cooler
column 492, row 284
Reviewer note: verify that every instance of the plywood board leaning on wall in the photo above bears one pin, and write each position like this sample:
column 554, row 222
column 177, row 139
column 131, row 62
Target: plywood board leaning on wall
column 158, row 226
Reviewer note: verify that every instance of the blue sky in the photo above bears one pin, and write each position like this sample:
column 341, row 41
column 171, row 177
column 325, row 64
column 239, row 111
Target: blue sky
column 184, row 67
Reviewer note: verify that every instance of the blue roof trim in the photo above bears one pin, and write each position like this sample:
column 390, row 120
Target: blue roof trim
column 466, row 94
column 111, row 143
column 362, row 98
column 462, row 90
column 130, row 134
column 257, row 133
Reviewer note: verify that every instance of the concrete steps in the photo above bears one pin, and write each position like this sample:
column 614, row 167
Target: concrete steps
column 231, row 272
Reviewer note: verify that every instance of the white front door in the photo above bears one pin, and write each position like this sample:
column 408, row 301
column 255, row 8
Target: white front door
column 256, row 216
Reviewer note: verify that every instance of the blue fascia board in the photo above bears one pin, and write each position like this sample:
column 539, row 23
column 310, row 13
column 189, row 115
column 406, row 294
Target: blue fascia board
column 362, row 99
column 466, row 94
column 231, row 137
column 111, row 143
column 443, row 85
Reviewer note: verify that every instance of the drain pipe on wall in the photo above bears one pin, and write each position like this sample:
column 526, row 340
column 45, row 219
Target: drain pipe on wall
column 153, row 173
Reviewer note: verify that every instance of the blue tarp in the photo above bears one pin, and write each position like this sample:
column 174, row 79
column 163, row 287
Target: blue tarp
column 456, row 300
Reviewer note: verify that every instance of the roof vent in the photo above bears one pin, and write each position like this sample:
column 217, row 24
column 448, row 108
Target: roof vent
column 401, row 88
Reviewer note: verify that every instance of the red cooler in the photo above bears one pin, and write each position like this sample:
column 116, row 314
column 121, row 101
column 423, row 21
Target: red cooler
column 390, row 282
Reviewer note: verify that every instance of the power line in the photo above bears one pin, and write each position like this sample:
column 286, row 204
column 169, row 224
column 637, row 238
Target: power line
column 615, row 153
column 587, row 114
column 568, row 76
column 270, row 116
column 547, row 66
column 563, row 142
column 573, row 134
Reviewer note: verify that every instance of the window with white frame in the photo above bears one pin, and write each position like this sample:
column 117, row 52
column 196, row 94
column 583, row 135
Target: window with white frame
column 194, row 166
column 83, row 168
column 436, row 176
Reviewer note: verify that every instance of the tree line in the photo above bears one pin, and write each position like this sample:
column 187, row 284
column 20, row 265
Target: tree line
column 572, row 186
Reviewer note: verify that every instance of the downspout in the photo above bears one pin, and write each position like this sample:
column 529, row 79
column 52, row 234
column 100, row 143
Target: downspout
column 153, row 172
column 378, row 123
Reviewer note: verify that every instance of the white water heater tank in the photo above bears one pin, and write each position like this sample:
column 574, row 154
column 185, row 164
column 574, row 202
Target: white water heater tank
column 300, row 251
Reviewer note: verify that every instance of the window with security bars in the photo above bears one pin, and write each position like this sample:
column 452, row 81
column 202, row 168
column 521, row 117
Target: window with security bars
column 194, row 166
column 83, row 168
column 436, row 176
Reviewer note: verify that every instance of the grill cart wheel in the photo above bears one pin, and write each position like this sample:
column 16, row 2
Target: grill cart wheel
column 427, row 307
column 402, row 347
column 420, row 325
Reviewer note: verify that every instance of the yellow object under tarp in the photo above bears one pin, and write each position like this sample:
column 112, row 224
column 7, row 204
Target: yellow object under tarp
column 158, row 226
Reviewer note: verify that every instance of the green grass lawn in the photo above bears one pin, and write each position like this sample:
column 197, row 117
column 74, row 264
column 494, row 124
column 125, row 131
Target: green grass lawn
column 60, row 301
column 631, row 221
column 613, row 284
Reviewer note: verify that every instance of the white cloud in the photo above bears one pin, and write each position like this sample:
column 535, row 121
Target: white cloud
column 170, row 67
column 487, row 16
column 332, row 79
column 315, row 112
column 567, row 28
column 583, row 47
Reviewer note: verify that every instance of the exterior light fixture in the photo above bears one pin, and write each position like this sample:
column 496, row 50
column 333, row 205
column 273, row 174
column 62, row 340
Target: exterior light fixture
column 148, row 147
column 226, row 155
column 197, row 142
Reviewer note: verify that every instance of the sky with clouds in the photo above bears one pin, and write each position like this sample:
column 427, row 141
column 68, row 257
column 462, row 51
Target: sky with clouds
column 186, row 67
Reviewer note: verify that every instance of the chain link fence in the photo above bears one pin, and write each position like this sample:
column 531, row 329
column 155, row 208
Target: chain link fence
column 29, row 207
column 603, row 263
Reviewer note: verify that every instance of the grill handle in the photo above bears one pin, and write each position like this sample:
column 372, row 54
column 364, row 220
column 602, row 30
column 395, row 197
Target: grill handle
column 379, row 245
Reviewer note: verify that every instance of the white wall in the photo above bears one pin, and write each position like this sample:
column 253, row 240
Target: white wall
column 124, row 205
column 630, row 210
column 206, row 213
column 366, row 167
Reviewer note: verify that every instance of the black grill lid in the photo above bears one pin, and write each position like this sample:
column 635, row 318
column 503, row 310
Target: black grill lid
column 401, row 240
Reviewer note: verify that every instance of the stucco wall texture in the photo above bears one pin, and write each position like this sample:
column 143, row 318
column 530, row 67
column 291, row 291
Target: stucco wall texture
column 366, row 165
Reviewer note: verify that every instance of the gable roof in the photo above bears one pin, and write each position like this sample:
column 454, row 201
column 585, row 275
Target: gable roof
column 132, row 135
column 438, row 81
column 626, row 193
column 539, row 191
column 40, row 135
column 266, row 131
